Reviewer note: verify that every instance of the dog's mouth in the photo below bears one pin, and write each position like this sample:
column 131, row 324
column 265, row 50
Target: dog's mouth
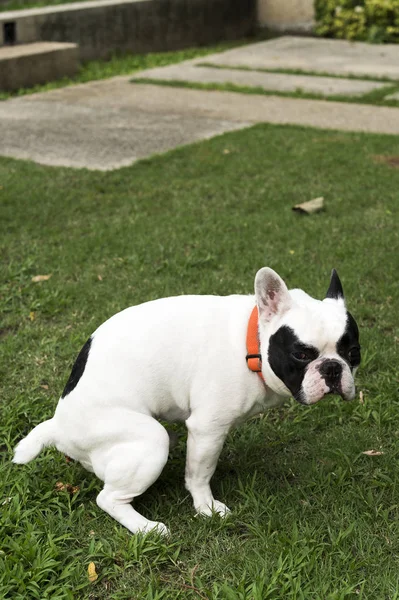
column 335, row 390
column 345, row 395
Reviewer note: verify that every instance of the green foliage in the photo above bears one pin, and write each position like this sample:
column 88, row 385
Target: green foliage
column 312, row 516
column 373, row 21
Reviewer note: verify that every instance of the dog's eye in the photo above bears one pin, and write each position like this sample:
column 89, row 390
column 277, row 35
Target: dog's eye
column 354, row 356
column 302, row 356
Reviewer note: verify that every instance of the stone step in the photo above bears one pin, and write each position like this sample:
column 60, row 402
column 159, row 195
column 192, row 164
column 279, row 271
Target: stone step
column 25, row 65
column 326, row 86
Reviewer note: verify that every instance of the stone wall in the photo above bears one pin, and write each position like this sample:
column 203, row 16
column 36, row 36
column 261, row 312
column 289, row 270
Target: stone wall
column 107, row 26
column 286, row 15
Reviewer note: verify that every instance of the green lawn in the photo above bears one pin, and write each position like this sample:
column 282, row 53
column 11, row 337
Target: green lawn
column 313, row 517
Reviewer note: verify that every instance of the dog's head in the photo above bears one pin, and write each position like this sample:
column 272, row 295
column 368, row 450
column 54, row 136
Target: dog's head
column 310, row 348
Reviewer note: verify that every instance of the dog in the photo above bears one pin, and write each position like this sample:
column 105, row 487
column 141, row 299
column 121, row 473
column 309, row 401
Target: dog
column 210, row 361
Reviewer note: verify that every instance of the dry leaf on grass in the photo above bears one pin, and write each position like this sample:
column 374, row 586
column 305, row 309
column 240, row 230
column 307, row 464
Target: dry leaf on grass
column 66, row 487
column 373, row 452
column 38, row 278
column 32, row 316
column 361, row 397
column 312, row 206
column 91, row 571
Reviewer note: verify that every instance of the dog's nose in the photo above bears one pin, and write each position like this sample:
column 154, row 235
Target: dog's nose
column 331, row 369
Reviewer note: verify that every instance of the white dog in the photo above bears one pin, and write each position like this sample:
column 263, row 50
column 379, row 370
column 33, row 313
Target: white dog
column 191, row 358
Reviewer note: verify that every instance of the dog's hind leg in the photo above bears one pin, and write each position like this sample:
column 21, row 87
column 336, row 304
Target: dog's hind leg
column 128, row 467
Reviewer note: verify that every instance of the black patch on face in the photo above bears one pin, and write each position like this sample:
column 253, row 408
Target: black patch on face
column 348, row 345
column 284, row 345
column 77, row 369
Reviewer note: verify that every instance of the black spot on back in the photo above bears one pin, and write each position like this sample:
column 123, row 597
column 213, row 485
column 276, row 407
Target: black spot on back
column 77, row 369
column 348, row 345
column 282, row 345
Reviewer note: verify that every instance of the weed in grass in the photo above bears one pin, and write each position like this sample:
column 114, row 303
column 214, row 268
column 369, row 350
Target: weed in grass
column 312, row 516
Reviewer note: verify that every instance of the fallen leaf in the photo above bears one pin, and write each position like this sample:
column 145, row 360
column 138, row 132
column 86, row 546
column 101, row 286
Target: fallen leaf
column 310, row 207
column 32, row 316
column 292, row 251
column 99, row 278
column 66, row 487
column 373, row 452
column 44, row 386
column 91, row 571
column 361, row 398
column 226, row 151
column 38, row 278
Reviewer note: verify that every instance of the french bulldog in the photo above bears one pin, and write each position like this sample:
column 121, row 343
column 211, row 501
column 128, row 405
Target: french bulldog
column 185, row 358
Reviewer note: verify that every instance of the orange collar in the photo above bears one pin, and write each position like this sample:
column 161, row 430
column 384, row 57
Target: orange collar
column 254, row 357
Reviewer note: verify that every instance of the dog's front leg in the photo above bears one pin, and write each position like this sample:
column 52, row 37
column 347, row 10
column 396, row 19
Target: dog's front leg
column 203, row 449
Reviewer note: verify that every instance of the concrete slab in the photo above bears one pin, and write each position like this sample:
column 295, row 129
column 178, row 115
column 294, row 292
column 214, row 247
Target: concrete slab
column 78, row 128
column 111, row 123
column 25, row 65
column 325, row 86
column 337, row 57
column 394, row 96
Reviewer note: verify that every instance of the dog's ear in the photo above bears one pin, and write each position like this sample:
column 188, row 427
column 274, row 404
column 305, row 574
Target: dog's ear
column 271, row 294
column 335, row 290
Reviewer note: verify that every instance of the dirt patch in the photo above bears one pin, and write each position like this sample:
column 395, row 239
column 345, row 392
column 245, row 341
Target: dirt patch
column 392, row 161
column 6, row 331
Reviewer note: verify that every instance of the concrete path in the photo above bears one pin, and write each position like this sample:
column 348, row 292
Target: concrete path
column 277, row 82
column 112, row 123
column 101, row 125
column 109, row 124
column 337, row 57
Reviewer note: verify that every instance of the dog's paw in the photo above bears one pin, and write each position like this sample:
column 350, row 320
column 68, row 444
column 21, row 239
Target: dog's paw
column 155, row 527
column 215, row 508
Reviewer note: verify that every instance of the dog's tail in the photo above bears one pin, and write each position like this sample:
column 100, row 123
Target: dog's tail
column 41, row 436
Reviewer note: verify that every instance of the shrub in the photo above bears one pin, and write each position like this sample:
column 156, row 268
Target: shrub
column 368, row 20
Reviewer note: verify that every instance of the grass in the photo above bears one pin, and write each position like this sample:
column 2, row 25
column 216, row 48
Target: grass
column 313, row 517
